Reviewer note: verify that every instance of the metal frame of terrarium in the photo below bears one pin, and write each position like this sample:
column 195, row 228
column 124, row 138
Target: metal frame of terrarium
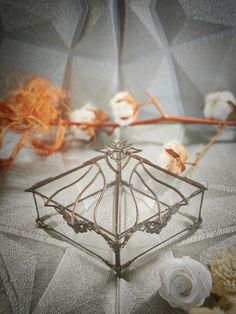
column 117, row 156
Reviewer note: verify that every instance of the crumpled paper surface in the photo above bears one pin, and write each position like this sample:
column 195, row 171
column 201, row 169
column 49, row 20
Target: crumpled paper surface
column 42, row 274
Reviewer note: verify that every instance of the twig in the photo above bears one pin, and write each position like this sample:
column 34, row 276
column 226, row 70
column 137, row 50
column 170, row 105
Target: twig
column 169, row 119
column 5, row 164
column 164, row 118
column 202, row 152
column 190, row 163
column 109, row 132
column 156, row 103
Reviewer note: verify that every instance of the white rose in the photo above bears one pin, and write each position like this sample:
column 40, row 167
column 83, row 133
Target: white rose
column 219, row 105
column 185, row 283
column 87, row 113
column 124, row 108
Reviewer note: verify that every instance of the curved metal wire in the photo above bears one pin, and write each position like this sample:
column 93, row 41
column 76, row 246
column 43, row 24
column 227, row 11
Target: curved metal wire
column 80, row 194
column 100, row 197
column 109, row 164
column 166, row 184
column 152, row 192
column 119, row 151
column 132, row 193
column 67, row 186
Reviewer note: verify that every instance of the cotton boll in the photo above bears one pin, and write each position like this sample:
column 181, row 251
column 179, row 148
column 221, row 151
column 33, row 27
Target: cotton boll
column 219, row 105
column 223, row 95
column 85, row 114
column 81, row 134
column 163, row 160
column 124, row 122
column 123, row 113
column 178, row 148
column 220, row 110
column 124, row 107
column 207, row 111
column 118, row 97
column 173, row 157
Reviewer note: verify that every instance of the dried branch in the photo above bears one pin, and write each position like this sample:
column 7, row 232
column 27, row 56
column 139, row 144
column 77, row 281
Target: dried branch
column 24, row 117
column 199, row 154
column 164, row 118
column 156, row 103
column 5, row 164
column 169, row 119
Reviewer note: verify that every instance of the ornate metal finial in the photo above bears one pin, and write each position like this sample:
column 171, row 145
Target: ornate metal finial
column 119, row 150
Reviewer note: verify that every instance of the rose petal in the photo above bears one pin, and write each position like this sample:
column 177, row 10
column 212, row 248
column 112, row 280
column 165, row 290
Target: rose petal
column 184, row 283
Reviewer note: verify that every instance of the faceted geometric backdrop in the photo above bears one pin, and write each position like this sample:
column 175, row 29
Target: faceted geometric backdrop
column 178, row 49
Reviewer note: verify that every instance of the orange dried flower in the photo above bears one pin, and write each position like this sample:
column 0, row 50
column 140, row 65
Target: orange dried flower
column 34, row 106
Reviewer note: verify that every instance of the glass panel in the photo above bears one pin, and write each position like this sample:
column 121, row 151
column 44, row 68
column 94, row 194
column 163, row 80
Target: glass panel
column 90, row 239
column 141, row 241
column 140, row 204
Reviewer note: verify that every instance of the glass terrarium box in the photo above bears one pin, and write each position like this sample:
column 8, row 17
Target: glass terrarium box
column 118, row 205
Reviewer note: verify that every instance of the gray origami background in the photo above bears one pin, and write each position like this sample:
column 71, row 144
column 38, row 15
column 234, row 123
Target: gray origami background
column 179, row 50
